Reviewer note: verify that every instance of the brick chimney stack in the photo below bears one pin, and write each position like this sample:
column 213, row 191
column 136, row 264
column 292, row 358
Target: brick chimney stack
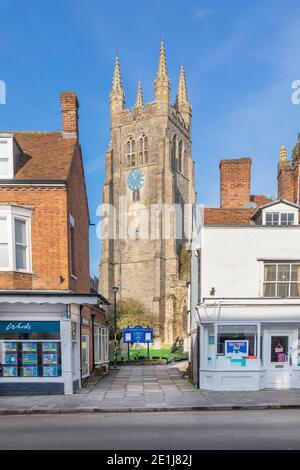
column 286, row 178
column 69, row 109
column 235, row 178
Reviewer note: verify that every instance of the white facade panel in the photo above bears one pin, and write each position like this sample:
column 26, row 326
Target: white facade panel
column 247, row 341
column 232, row 257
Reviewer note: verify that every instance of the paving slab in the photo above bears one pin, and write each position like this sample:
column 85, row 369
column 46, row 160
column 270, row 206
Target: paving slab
column 148, row 388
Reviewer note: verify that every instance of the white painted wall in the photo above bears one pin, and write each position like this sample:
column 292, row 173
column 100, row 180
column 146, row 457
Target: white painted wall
column 230, row 257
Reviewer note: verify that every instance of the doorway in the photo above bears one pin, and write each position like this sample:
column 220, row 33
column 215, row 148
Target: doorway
column 279, row 360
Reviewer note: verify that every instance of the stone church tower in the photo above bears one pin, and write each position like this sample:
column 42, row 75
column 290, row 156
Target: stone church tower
column 149, row 165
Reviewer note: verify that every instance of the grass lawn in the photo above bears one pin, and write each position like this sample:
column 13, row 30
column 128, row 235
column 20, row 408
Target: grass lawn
column 163, row 353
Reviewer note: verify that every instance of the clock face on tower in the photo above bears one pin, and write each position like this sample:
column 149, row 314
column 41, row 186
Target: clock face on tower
column 136, row 179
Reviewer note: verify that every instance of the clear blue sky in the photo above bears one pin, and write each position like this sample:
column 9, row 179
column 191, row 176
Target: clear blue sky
column 241, row 57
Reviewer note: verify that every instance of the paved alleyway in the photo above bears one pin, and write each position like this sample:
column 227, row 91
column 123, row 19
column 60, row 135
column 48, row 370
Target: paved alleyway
column 145, row 386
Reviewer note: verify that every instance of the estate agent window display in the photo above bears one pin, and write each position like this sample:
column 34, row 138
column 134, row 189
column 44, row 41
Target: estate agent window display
column 30, row 350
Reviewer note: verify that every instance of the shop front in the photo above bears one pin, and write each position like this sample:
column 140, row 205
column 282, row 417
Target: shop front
column 247, row 348
column 30, row 349
column 40, row 344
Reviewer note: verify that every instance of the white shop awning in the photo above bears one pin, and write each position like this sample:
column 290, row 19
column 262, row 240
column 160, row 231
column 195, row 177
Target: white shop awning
column 65, row 298
column 260, row 311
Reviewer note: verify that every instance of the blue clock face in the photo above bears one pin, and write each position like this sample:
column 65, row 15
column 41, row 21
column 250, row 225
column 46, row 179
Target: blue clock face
column 136, row 179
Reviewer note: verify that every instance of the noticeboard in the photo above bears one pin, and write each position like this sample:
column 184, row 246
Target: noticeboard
column 138, row 334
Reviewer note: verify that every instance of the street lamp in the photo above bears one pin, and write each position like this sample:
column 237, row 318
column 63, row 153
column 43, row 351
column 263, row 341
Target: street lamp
column 115, row 291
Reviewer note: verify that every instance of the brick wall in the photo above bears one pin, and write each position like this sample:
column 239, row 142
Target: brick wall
column 78, row 208
column 69, row 109
column 286, row 181
column 288, row 174
column 235, row 176
column 99, row 319
column 52, row 206
column 297, row 183
column 49, row 238
column 50, row 234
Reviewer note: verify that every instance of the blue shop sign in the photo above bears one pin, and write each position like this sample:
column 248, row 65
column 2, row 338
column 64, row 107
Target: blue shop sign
column 138, row 335
column 29, row 327
column 238, row 347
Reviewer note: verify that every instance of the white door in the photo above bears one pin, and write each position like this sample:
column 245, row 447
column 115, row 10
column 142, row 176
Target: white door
column 279, row 360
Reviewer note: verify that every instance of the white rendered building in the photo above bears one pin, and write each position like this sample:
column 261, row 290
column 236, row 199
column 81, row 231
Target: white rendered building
column 245, row 298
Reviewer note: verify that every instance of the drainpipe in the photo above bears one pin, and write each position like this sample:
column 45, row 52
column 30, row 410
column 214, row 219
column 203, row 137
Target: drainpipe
column 80, row 341
column 198, row 356
column 199, row 300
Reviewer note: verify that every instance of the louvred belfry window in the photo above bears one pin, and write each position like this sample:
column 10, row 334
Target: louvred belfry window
column 180, row 156
column 144, row 149
column 131, row 152
column 174, row 151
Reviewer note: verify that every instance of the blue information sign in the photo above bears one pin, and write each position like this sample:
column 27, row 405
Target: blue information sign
column 138, row 335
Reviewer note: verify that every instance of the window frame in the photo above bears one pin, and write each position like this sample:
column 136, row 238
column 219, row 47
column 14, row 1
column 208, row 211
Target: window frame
column 143, row 149
column 101, row 345
column 8, row 141
column 11, row 214
column 23, row 245
column 5, row 159
column 280, row 215
column 6, row 243
column 131, row 149
column 237, row 332
column 180, row 156
column 277, row 282
column 85, row 365
column 210, row 342
column 174, row 151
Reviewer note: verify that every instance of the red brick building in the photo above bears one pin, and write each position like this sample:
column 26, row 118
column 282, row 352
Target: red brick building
column 49, row 318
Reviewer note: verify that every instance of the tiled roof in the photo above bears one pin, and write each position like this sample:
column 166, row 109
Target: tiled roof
column 48, row 155
column 260, row 199
column 216, row 216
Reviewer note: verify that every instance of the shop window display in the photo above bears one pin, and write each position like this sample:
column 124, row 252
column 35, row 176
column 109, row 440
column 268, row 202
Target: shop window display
column 237, row 340
column 31, row 353
column 28, row 359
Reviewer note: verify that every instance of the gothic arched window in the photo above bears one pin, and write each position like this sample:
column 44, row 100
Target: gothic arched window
column 143, row 149
column 173, row 153
column 130, row 152
column 180, row 156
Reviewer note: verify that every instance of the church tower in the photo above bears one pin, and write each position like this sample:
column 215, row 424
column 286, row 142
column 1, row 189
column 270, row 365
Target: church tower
column 149, row 188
